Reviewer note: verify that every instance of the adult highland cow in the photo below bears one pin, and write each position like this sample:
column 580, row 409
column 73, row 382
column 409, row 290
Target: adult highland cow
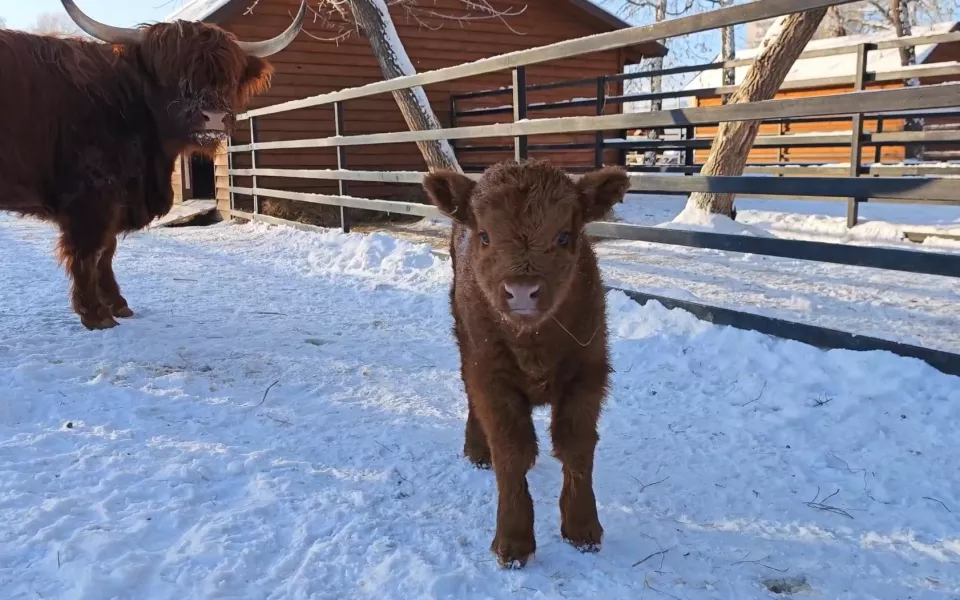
column 529, row 318
column 90, row 131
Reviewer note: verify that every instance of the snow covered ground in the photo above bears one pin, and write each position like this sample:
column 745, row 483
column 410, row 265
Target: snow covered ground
column 283, row 419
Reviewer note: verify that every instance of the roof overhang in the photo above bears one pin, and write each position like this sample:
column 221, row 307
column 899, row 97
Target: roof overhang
column 633, row 54
column 219, row 11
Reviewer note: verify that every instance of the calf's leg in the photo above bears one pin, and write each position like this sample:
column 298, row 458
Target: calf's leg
column 505, row 418
column 574, row 434
column 109, row 288
column 475, row 446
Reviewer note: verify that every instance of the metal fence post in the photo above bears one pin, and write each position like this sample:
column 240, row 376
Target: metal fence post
column 690, row 133
column 878, row 149
column 520, row 144
column 600, row 135
column 453, row 121
column 253, row 163
column 338, row 117
column 856, row 136
column 230, row 181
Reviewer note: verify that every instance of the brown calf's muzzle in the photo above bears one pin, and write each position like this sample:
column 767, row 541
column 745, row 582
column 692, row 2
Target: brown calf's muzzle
column 522, row 296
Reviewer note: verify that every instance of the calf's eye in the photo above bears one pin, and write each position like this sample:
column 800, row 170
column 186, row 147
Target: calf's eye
column 563, row 239
column 484, row 238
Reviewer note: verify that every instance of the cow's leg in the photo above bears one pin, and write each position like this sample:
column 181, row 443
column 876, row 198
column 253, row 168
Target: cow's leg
column 574, row 433
column 109, row 288
column 81, row 244
column 505, row 418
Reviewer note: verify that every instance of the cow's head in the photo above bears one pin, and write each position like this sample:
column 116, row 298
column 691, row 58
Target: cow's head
column 523, row 229
column 199, row 75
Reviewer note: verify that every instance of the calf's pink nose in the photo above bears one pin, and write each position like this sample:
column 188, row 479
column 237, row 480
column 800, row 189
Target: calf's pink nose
column 521, row 297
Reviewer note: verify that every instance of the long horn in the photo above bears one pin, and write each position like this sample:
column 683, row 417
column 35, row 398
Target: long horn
column 104, row 33
column 272, row 46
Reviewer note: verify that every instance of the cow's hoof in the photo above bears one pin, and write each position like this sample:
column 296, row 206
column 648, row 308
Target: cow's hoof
column 513, row 553
column 123, row 312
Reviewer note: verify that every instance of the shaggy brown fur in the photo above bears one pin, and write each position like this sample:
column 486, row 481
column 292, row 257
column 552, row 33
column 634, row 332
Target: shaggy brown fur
column 529, row 318
column 89, row 133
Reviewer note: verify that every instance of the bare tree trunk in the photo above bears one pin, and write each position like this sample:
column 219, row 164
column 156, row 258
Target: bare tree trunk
column 785, row 40
column 656, row 85
column 728, row 52
column 834, row 21
column 900, row 15
column 373, row 18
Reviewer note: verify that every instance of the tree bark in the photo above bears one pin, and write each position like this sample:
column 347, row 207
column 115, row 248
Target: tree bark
column 900, row 15
column 656, row 85
column 373, row 18
column 728, row 52
column 785, row 40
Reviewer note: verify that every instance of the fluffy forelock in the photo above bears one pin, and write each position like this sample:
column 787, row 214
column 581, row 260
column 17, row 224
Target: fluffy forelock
column 194, row 52
column 534, row 186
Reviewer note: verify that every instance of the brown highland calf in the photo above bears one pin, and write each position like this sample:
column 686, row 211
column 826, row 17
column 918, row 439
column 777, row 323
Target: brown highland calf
column 90, row 131
column 529, row 318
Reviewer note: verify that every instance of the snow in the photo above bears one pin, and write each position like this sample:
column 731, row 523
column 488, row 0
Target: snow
column 283, row 419
column 878, row 61
column 692, row 218
column 197, row 10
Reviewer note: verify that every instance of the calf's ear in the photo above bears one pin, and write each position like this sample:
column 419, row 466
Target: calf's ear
column 450, row 192
column 600, row 190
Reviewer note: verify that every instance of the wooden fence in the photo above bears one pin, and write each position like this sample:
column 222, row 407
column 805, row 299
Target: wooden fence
column 925, row 189
column 685, row 139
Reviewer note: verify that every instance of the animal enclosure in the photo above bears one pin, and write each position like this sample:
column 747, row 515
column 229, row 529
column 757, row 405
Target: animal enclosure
column 314, row 66
column 925, row 189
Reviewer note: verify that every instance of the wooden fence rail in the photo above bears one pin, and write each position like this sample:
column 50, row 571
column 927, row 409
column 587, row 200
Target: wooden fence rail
column 930, row 97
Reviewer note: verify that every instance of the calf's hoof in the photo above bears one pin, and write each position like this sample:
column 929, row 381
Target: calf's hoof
column 584, row 537
column 123, row 312
column 94, row 324
column 513, row 552
column 483, row 463
column 478, row 459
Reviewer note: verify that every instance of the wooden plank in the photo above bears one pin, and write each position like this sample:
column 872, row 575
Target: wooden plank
column 187, row 210
column 927, row 190
column 891, row 259
column 942, row 38
column 412, row 177
column 939, row 96
column 654, row 184
column 932, row 189
column 239, row 214
column 733, row 15
column 939, row 70
column 802, row 140
column 388, row 206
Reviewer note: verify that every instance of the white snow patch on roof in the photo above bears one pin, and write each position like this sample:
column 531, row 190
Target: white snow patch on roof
column 197, row 10
column 833, row 66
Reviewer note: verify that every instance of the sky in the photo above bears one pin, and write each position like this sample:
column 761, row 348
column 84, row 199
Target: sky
column 20, row 14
